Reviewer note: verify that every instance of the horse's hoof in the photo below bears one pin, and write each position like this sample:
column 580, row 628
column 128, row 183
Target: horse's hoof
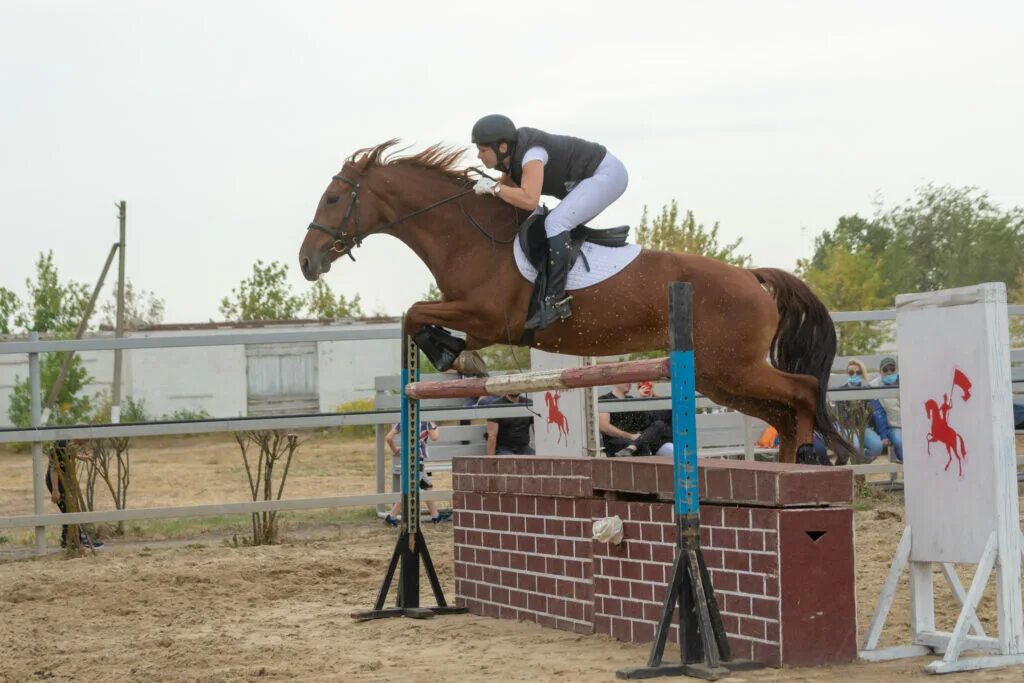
column 470, row 363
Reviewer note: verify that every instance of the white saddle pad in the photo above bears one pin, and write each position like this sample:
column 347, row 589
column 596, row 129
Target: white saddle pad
column 604, row 262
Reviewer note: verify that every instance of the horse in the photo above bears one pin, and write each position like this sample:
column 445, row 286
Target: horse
column 763, row 342
column 942, row 433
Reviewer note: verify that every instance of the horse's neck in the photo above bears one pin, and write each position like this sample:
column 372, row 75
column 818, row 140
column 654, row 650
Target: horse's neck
column 445, row 238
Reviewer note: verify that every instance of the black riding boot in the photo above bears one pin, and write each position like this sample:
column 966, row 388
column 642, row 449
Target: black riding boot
column 556, row 304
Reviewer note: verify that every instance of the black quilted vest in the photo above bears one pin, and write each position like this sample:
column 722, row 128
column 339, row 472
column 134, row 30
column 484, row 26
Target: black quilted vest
column 570, row 159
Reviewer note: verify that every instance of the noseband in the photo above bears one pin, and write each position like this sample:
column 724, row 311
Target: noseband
column 345, row 243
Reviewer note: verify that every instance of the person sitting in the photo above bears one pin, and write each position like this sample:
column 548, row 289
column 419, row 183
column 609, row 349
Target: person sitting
column 848, row 418
column 886, row 411
column 508, row 435
column 656, row 436
column 619, row 430
column 584, row 175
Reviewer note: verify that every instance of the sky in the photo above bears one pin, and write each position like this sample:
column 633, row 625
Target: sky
column 221, row 123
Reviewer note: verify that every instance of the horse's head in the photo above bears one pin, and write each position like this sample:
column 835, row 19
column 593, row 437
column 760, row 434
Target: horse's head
column 343, row 218
column 376, row 192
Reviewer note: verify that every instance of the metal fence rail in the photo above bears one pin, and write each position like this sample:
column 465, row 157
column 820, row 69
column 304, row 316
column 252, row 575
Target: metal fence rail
column 38, row 434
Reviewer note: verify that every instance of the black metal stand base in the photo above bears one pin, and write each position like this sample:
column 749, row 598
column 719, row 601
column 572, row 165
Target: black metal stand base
column 410, row 549
column 703, row 643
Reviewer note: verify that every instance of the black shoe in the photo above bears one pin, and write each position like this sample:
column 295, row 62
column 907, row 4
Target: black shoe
column 391, row 521
column 556, row 305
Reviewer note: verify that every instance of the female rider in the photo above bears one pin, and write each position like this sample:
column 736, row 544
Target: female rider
column 585, row 176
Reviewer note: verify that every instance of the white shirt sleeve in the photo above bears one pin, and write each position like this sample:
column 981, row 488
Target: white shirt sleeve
column 536, row 154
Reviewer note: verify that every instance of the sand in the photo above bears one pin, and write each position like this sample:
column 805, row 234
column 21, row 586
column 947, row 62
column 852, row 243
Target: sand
column 180, row 611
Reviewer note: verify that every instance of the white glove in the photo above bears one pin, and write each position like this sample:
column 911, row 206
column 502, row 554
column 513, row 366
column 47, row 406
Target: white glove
column 484, row 186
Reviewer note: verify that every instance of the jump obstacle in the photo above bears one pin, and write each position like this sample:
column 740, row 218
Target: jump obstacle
column 703, row 644
column 989, row 537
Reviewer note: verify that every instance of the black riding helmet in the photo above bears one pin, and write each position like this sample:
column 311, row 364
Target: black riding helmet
column 492, row 130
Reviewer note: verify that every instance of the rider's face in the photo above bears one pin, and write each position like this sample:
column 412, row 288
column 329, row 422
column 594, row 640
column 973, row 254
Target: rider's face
column 486, row 156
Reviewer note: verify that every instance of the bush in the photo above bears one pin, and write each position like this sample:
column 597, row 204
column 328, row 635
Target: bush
column 184, row 414
column 132, row 411
column 358, row 406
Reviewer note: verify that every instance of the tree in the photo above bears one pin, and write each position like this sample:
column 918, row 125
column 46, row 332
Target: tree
column 848, row 280
column 951, row 237
column 665, row 232
column 264, row 296
column 322, row 303
column 69, row 408
column 942, row 237
column 9, row 305
column 141, row 308
column 52, row 306
column 433, row 293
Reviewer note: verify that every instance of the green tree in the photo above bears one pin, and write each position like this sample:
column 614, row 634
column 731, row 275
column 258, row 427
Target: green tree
column 266, row 295
column 141, row 308
column 322, row 303
column 666, row 232
column 951, row 237
column 433, row 293
column 69, row 408
column 9, row 305
column 850, row 280
column 52, row 306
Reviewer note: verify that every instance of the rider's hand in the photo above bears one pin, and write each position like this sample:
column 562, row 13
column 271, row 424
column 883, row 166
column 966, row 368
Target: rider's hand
column 484, row 186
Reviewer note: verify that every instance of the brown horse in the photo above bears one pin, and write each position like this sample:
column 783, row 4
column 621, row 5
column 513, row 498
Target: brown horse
column 741, row 318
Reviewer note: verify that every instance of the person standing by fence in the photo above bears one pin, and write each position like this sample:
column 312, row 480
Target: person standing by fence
column 60, row 461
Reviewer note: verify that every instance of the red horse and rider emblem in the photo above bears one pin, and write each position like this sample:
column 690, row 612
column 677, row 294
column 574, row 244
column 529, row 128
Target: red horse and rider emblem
column 556, row 416
column 940, row 431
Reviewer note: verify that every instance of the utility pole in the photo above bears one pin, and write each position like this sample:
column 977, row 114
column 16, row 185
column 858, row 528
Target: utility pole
column 115, row 392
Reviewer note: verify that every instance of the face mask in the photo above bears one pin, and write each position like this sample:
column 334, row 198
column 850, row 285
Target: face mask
column 891, row 379
column 853, row 380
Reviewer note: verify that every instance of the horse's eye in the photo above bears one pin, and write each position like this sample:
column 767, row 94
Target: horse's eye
column 332, row 199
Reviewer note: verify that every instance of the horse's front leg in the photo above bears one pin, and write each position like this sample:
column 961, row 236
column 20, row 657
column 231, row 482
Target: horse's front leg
column 424, row 322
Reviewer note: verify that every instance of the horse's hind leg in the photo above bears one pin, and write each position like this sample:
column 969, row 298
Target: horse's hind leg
column 760, row 381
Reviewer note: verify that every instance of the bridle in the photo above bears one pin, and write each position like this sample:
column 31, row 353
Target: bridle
column 344, row 243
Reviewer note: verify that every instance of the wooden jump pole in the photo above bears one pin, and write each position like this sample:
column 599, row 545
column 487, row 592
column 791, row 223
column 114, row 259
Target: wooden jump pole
column 652, row 370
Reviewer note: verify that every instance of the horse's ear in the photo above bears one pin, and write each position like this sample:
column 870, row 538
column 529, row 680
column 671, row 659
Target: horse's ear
column 362, row 161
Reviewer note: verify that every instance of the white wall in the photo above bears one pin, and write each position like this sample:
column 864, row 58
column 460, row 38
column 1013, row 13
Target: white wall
column 210, row 378
column 213, row 378
column 347, row 369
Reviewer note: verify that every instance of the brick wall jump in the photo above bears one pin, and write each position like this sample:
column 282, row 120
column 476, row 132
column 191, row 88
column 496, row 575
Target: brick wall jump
column 778, row 541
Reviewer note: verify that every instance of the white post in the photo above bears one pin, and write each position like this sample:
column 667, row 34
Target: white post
column 38, row 462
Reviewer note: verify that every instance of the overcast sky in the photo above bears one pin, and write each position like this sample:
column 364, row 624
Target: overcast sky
column 221, row 123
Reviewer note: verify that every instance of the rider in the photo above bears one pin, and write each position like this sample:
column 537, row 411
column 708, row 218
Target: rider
column 584, row 175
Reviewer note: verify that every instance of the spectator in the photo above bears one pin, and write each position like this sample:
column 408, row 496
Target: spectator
column 60, row 459
column 508, row 435
column 619, row 430
column 886, row 411
column 856, row 375
column 428, row 430
column 847, row 414
column 656, row 436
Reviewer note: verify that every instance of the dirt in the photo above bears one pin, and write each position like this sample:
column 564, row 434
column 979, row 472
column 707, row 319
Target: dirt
column 207, row 612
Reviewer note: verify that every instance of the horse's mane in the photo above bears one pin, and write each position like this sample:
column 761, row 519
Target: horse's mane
column 443, row 159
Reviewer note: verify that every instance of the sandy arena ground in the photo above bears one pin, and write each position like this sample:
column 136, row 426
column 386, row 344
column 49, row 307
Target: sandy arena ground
column 180, row 610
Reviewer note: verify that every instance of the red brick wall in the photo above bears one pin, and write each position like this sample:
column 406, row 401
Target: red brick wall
column 520, row 555
column 523, row 550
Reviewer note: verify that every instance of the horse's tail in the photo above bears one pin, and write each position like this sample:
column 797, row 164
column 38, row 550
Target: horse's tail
column 805, row 344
